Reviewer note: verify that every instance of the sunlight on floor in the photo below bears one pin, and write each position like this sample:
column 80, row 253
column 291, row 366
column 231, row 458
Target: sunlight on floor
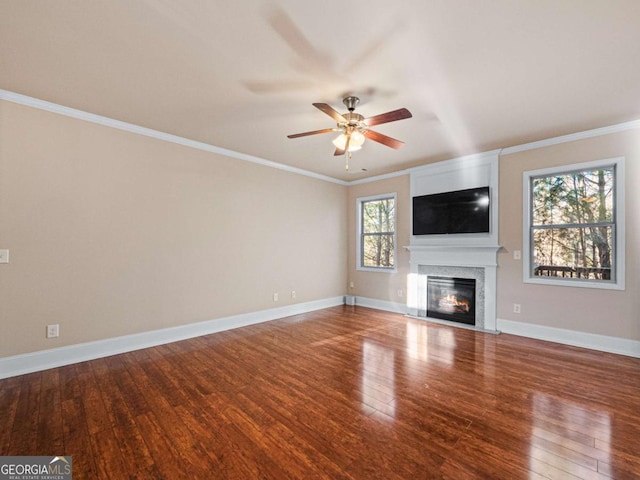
column 564, row 437
column 378, row 378
column 443, row 344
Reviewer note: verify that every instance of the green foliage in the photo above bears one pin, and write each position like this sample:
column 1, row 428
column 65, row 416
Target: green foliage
column 378, row 232
column 573, row 198
column 572, row 223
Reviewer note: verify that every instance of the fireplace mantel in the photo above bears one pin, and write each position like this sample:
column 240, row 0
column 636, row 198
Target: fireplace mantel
column 482, row 258
column 466, row 255
column 458, row 255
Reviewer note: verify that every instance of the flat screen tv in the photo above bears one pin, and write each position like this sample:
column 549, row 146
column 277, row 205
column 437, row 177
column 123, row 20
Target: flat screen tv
column 462, row 211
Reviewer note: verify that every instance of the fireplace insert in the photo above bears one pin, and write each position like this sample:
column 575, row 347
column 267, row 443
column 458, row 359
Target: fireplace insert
column 452, row 299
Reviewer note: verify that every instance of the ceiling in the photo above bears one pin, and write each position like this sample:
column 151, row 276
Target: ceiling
column 243, row 74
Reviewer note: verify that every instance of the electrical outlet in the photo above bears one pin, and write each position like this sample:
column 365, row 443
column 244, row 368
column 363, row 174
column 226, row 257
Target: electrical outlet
column 4, row 256
column 275, row 297
column 517, row 255
column 516, row 308
column 293, row 294
column 400, row 292
column 53, row 331
column 351, row 285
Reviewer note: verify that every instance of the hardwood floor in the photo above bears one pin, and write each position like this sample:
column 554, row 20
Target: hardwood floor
column 346, row 392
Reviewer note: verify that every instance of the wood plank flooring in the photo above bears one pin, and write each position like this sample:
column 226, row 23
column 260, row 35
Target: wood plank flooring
column 342, row 393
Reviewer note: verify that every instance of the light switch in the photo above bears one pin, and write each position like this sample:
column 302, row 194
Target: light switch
column 4, row 256
column 517, row 254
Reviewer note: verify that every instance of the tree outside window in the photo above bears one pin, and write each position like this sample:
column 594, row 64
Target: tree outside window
column 572, row 225
column 377, row 225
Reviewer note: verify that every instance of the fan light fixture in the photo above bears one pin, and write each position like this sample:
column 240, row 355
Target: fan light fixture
column 355, row 127
column 355, row 143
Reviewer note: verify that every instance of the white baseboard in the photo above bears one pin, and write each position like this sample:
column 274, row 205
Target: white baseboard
column 603, row 343
column 621, row 346
column 57, row 357
column 382, row 305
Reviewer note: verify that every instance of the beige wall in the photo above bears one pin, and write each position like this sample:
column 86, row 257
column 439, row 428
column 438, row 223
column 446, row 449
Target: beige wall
column 112, row 233
column 381, row 285
column 604, row 312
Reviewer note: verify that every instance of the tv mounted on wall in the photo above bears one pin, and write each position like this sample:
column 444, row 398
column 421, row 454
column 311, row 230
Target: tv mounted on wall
column 462, row 211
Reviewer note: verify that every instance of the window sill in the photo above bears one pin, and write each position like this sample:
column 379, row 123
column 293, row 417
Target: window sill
column 558, row 282
column 377, row 269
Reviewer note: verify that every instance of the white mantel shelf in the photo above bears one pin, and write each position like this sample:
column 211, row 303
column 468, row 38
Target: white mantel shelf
column 459, row 255
column 452, row 257
column 468, row 255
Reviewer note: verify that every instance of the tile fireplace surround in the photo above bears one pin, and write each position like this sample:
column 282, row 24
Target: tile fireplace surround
column 464, row 255
column 477, row 262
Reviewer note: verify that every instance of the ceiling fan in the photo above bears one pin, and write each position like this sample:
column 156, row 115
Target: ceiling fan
column 354, row 128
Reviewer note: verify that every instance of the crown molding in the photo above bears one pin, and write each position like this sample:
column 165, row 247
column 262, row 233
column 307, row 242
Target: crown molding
column 377, row 178
column 167, row 137
column 572, row 137
column 148, row 132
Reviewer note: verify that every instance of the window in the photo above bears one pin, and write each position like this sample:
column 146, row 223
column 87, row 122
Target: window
column 574, row 225
column 377, row 233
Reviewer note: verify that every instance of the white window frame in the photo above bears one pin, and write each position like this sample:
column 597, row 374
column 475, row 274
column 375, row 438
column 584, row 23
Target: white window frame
column 618, row 282
column 359, row 202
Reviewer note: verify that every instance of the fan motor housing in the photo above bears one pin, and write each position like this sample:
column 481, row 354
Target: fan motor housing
column 351, row 103
column 352, row 120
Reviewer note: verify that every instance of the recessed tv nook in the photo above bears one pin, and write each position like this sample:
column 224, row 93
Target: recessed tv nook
column 460, row 211
column 455, row 235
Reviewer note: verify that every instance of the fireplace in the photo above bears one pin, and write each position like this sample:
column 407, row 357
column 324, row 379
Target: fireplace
column 478, row 263
column 453, row 299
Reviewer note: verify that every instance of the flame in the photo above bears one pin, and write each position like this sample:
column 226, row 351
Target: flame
column 451, row 302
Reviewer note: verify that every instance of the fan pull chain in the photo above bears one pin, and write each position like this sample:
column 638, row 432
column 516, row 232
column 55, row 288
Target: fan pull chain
column 347, row 158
